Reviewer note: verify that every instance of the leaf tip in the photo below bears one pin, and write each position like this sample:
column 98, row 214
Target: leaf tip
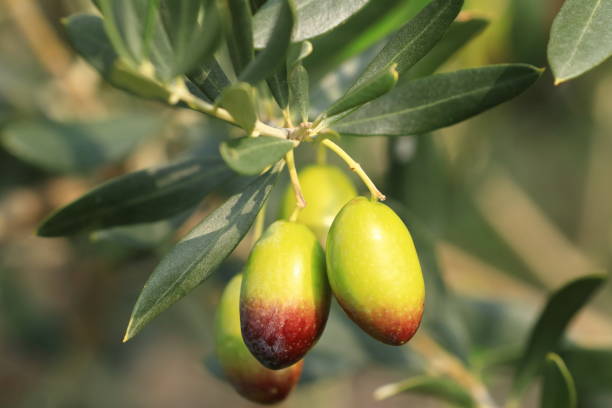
column 130, row 331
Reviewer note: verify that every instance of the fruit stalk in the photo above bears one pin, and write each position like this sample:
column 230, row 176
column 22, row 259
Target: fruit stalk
column 356, row 167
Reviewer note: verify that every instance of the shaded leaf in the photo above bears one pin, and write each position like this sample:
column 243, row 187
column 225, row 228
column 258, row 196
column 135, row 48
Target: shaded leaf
column 279, row 86
column 459, row 34
column 558, row 389
column 142, row 196
column 251, row 155
column 299, row 103
column 314, row 17
column 239, row 33
column 239, row 100
column 87, row 36
column 440, row 387
column 273, row 55
column 199, row 253
column 592, row 370
column 193, row 28
column 561, row 307
column 368, row 90
column 210, row 79
column 438, row 100
column 76, row 146
column 415, row 39
column 580, row 38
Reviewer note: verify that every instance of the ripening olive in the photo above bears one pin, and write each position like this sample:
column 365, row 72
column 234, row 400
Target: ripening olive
column 285, row 296
column 326, row 189
column 374, row 271
column 252, row 380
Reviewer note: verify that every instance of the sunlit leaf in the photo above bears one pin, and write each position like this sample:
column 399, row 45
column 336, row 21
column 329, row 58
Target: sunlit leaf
column 299, row 103
column 580, row 38
column 251, row 155
column 439, row 387
column 239, row 100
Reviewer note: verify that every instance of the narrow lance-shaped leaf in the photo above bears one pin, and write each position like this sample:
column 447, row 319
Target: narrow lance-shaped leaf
column 142, row 196
column 239, row 100
column 580, row 38
column 273, row 55
column 87, row 36
column 199, row 253
column 251, row 155
column 558, row 389
column 415, row 39
column 368, row 90
column 547, row 332
column 314, row 18
column 459, row 34
column 239, row 33
column 76, row 146
column 210, row 79
column 299, row 103
column 438, row 100
column 440, row 387
column 278, row 82
column 194, row 31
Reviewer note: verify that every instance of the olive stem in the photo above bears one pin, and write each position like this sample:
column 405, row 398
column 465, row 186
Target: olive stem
column 356, row 167
column 300, row 202
column 180, row 92
column 321, row 154
column 445, row 363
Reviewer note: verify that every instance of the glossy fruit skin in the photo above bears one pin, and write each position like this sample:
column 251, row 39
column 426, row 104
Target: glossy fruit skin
column 326, row 189
column 374, row 271
column 250, row 379
column 285, row 296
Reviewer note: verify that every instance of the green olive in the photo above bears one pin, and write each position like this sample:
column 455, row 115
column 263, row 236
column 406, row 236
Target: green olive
column 374, row 271
column 251, row 379
column 285, row 296
column 326, row 189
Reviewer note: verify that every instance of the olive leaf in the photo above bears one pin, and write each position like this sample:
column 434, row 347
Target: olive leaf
column 439, row 387
column 239, row 100
column 558, row 389
column 299, row 103
column 561, row 307
column 239, row 33
column 580, row 38
column 251, row 155
column 142, row 196
column 438, row 100
column 76, row 146
column 314, row 17
column 199, row 253
column 273, row 55
column 209, row 78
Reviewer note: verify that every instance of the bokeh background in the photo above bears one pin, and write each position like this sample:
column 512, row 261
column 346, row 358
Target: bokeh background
column 517, row 202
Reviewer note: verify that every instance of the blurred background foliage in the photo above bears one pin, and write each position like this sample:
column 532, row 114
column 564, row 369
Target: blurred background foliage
column 512, row 204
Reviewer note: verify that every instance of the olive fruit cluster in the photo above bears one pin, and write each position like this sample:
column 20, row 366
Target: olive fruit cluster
column 274, row 313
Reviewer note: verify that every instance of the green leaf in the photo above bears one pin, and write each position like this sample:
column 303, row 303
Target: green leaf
column 415, row 39
column 314, row 17
column 580, row 38
column 459, row 34
column 76, row 146
column 197, row 255
column 193, row 28
column 440, row 387
column 239, row 100
column 592, row 369
column 558, row 389
column 210, row 79
column 299, row 103
column 143, row 196
column 548, row 330
column 87, row 36
column 126, row 23
column 279, row 86
column 374, row 87
column 239, row 33
column 377, row 20
column 251, row 155
column 438, row 100
column 273, row 55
